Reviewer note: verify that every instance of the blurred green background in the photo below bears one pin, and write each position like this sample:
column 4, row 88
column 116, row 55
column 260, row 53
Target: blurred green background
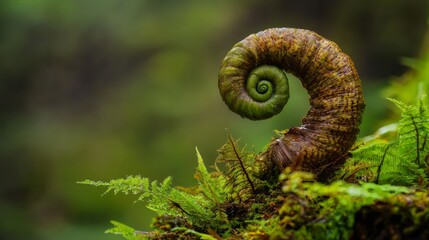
column 102, row 89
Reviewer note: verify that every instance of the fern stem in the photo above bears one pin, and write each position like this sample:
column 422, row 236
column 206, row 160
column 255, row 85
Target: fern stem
column 417, row 141
column 241, row 164
column 381, row 164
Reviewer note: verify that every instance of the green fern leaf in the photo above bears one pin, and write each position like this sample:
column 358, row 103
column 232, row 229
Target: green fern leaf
column 239, row 165
column 403, row 161
column 127, row 232
column 213, row 185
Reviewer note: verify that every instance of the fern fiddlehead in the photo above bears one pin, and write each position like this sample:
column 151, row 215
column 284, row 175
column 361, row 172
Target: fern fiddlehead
column 253, row 83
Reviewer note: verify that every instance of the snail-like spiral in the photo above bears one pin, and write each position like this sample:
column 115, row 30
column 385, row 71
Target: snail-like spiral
column 253, row 83
column 266, row 92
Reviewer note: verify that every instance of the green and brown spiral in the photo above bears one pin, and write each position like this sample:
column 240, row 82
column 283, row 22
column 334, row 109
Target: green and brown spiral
column 253, row 83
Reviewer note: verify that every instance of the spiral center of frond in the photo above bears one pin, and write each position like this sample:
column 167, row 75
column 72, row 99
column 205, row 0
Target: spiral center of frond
column 263, row 86
column 266, row 81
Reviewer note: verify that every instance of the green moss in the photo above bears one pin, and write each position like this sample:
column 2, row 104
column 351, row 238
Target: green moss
column 241, row 203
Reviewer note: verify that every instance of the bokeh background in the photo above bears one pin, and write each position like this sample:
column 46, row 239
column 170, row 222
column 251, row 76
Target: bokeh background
column 103, row 89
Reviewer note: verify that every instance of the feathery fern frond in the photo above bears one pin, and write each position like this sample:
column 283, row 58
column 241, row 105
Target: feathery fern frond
column 131, row 184
column 212, row 185
column 403, row 161
column 239, row 167
column 413, row 130
column 125, row 231
column 366, row 162
column 200, row 207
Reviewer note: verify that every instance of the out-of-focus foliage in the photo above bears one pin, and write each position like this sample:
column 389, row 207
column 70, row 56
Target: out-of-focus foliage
column 102, row 89
column 416, row 81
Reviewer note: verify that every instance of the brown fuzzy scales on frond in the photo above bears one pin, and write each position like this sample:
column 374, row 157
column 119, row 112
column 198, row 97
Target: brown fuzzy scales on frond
column 329, row 76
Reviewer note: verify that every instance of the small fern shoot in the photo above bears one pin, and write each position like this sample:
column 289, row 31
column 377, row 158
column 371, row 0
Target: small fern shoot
column 239, row 164
column 199, row 207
